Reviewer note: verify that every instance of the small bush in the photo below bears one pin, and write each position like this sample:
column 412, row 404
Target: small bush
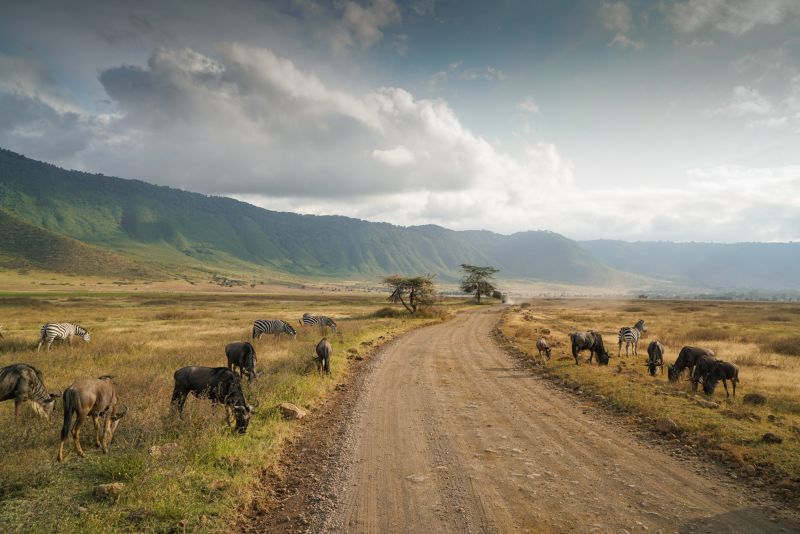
column 789, row 345
column 387, row 313
column 709, row 334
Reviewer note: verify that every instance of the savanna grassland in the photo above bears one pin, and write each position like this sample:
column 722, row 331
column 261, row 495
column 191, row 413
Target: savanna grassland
column 762, row 339
column 141, row 339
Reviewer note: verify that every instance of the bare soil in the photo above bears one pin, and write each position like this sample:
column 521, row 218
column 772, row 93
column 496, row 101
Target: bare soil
column 442, row 431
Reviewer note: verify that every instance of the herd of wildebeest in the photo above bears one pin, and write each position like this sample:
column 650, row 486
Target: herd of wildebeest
column 702, row 364
column 97, row 397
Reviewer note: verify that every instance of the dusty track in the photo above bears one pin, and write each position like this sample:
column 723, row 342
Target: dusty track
column 444, row 433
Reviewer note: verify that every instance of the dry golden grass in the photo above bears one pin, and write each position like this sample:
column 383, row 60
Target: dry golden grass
column 142, row 339
column 758, row 337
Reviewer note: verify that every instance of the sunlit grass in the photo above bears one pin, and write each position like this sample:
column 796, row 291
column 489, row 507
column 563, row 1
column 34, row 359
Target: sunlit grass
column 142, row 340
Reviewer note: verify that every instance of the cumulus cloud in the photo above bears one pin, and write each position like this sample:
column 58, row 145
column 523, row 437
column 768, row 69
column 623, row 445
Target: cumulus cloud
column 625, row 42
column 528, row 105
column 743, row 101
column 364, row 24
column 731, row 16
column 394, row 157
column 616, row 17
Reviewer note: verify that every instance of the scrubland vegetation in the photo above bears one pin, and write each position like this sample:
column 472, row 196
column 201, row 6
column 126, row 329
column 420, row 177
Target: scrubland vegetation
column 760, row 338
column 142, row 340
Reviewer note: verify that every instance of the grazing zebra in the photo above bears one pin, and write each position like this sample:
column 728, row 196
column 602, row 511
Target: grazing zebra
column 318, row 320
column 275, row 327
column 630, row 336
column 52, row 331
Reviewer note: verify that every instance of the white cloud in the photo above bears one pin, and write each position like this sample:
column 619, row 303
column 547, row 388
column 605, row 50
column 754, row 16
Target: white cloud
column 528, row 105
column 731, row 16
column 398, row 156
column 365, row 24
column 625, row 42
column 743, row 101
column 616, row 17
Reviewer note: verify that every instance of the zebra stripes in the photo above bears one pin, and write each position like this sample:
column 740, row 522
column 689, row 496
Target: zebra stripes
column 275, row 327
column 63, row 331
column 630, row 336
column 318, row 320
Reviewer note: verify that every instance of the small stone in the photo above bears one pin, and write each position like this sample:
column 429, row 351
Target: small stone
column 159, row 451
column 666, row 425
column 291, row 411
column 769, row 437
column 750, row 469
column 109, row 490
column 82, row 509
column 416, row 478
column 754, row 398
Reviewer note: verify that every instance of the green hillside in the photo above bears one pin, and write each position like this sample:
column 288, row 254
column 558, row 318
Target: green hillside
column 24, row 246
column 169, row 227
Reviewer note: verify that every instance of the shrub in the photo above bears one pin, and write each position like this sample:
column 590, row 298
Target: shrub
column 789, row 345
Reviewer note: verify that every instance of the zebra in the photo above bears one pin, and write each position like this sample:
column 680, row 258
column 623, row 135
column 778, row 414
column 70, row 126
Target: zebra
column 275, row 327
column 52, row 331
column 630, row 336
column 318, row 320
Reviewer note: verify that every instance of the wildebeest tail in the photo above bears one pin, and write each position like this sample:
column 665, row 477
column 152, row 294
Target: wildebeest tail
column 69, row 406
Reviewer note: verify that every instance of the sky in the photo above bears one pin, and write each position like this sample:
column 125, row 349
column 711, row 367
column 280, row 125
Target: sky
column 636, row 120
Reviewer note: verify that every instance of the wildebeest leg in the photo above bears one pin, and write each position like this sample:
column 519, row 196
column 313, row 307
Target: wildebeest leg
column 96, row 421
column 76, row 434
column 725, row 384
column 106, row 432
column 178, row 400
column 17, row 402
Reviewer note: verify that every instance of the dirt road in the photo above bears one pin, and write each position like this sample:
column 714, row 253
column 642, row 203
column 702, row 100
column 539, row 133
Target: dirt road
column 449, row 435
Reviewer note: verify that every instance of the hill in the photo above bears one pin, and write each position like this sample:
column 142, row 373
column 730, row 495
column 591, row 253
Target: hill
column 162, row 226
column 24, row 246
column 765, row 266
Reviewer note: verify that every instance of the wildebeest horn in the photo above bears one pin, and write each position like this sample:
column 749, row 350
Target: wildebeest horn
column 251, row 408
column 256, row 404
column 121, row 413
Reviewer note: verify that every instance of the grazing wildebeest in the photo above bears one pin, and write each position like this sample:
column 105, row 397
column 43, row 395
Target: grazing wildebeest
column 687, row 359
column 242, row 355
column 702, row 367
column 655, row 357
column 543, row 347
column 64, row 331
column 23, row 382
column 630, row 336
column 95, row 397
column 220, row 385
column 721, row 371
column 324, row 353
column 591, row 341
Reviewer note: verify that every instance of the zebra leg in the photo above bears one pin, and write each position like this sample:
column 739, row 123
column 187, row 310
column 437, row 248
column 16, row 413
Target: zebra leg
column 619, row 348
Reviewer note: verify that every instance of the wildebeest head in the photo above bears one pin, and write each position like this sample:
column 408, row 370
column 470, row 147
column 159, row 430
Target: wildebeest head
column 45, row 408
column 242, row 413
column 672, row 373
column 603, row 357
column 652, row 368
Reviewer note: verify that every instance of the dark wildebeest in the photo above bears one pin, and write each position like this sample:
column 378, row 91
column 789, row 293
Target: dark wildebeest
column 242, row 355
column 543, row 347
column 701, row 369
column 721, row 371
column 23, row 382
column 655, row 357
column 591, row 341
column 220, row 385
column 324, row 352
column 687, row 359
column 95, row 397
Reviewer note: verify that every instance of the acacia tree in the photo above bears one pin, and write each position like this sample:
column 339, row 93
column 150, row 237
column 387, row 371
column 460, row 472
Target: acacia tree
column 477, row 280
column 412, row 292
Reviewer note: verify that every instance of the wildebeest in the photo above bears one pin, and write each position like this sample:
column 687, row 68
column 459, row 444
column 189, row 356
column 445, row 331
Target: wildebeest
column 591, row 341
column 687, row 359
column 23, row 382
column 702, row 367
column 324, row 352
column 721, row 371
column 630, row 336
column 95, row 397
column 64, row 331
column 220, row 385
column 543, row 347
column 655, row 357
column 242, row 354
